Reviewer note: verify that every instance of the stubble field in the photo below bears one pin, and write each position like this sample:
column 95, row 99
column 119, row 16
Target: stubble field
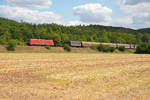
column 74, row 76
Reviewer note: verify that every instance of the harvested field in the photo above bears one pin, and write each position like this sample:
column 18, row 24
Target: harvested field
column 74, row 76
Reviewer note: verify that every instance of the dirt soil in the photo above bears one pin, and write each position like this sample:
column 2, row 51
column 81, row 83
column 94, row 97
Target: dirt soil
column 43, row 49
column 74, row 76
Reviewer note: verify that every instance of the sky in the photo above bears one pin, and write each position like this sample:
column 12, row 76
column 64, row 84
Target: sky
column 123, row 13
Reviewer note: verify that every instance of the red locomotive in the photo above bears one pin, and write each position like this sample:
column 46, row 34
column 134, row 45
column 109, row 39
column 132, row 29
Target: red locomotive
column 40, row 42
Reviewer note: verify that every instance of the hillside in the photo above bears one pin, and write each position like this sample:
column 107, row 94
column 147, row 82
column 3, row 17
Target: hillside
column 145, row 30
column 21, row 32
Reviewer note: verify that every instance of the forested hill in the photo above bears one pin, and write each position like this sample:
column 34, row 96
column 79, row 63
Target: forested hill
column 21, row 32
column 145, row 30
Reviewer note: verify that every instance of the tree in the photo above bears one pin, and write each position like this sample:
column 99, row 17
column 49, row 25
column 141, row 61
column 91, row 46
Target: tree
column 11, row 45
column 22, row 31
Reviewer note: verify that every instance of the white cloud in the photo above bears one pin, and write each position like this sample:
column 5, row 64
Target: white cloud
column 30, row 3
column 93, row 13
column 134, row 2
column 73, row 23
column 120, row 21
column 138, row 13
column 27, row 15
column 139, row 10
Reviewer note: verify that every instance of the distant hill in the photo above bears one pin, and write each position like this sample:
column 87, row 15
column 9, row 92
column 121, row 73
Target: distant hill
column 145, row 30
column 22, row 31
column 114, row 29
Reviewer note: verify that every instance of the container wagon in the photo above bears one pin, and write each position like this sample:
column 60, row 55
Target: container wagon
column 40, row 42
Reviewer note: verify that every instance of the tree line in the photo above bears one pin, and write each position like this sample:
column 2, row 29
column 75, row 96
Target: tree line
column 22, row 31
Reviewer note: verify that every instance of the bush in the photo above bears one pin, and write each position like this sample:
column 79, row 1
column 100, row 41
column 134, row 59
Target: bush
column 3, row 42
column 48, row 47
column 20, row 43
column 106, row 48
column 94, row 47
column 11, row 45
column 143, row 48
column 112, row 49
column 121, row 48
column 67, row 47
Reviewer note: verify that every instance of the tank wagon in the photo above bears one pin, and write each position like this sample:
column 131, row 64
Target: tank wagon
column 40, row 42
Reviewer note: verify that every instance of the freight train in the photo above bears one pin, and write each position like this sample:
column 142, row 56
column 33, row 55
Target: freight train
column 42, row 42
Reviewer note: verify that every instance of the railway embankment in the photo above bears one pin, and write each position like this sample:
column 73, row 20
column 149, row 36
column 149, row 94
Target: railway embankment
column 43, row 49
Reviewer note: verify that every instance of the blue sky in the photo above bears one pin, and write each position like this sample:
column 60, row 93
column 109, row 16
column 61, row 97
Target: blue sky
column 65, row 8
column 127, row 13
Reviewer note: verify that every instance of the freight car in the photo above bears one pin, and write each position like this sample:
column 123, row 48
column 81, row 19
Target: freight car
column 89, row 44
column 40, row 42
column 116, row 45
column 74, row 43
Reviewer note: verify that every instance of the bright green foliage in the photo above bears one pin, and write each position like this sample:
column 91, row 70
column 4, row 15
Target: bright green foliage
column 94, row 47
column 48, row 47
column 21, row 32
